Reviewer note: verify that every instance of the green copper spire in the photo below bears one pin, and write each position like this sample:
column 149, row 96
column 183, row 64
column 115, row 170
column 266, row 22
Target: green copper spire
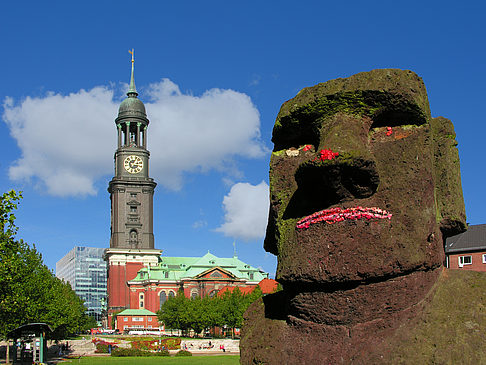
column 132, row 91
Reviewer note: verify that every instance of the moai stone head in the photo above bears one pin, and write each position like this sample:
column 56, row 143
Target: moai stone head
column 364, row 186
column 363, row 182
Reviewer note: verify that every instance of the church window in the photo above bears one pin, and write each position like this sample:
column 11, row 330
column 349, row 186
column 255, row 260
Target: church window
column 163, row 298
column 251, row 276
column 212, row 293
column 216, row 274
column 140, row 301
column 166, row 274
column 133, row 209
column 194, row 294
column 171, row 294
column 133, row 195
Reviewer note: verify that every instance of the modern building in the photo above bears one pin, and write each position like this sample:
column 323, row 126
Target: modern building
column 467, row 250
column 139, row 278
column 85, row 269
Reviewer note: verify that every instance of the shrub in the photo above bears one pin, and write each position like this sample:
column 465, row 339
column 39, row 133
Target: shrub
column 101, row 348
column 183, row 353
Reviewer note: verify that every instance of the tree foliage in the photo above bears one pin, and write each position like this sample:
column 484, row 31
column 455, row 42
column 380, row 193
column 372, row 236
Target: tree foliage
column 199, row 314
column 29, row 291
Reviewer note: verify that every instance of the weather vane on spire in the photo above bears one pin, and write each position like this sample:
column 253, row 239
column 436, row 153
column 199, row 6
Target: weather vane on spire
column 132, row 90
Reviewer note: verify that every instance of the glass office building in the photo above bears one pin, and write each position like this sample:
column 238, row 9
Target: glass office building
column 85, row 269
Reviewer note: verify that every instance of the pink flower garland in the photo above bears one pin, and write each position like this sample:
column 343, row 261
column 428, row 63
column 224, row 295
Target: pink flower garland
column 334, row 215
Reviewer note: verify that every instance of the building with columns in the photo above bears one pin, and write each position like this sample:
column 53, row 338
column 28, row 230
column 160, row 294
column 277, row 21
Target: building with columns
column 139, row 278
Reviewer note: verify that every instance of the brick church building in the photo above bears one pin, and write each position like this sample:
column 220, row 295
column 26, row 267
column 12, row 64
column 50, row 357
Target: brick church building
column 139, row 278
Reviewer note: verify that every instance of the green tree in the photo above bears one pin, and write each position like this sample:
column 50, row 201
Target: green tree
column 234, row 305
column 199, row 314
column 29, row 292
column 175, row 312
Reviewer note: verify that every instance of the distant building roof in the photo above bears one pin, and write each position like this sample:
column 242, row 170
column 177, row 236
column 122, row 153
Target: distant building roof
column 136, row 312
column 267, row 286
column 473, row 239
column 180, row 268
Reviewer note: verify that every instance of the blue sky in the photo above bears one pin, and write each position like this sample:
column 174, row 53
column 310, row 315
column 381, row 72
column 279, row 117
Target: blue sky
column 212, row 75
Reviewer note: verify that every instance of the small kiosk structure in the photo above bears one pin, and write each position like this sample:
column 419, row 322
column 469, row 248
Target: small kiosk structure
column 30, row 343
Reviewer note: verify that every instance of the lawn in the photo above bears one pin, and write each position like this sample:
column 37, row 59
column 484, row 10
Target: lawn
column 192, row 360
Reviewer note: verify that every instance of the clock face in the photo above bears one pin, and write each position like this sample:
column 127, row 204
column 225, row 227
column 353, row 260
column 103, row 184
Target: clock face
column 133, row 164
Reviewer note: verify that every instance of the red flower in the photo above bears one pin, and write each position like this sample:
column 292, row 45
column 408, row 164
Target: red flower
column 328, row 154
column 389, row 131
column 307, row 147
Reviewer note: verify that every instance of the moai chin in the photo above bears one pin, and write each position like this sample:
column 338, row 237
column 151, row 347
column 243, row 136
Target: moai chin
column 364, row 187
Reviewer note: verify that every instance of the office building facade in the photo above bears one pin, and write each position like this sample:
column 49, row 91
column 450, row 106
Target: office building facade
column 85, row 269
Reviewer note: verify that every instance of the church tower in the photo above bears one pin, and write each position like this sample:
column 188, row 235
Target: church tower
column 131, row 189
column 131, row 193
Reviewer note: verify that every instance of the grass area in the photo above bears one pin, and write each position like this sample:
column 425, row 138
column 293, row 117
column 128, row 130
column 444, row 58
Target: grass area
column 193, row 360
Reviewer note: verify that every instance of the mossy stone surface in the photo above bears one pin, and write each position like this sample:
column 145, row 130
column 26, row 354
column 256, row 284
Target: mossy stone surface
column 350, row 285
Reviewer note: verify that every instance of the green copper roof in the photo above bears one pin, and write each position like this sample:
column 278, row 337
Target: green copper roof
column 177, row 268
column 136, row 312
column 132, row 106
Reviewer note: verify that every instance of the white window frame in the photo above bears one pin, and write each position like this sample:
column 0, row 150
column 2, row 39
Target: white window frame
column 461, row 260
column 484, row 258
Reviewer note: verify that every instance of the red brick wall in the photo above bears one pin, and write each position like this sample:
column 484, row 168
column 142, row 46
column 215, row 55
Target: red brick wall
column 151, row 297
column 116, row 275
column 477, row 261
column 118, row 292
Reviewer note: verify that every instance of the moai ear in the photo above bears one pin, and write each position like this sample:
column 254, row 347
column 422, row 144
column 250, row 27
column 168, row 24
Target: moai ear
column 451, row 212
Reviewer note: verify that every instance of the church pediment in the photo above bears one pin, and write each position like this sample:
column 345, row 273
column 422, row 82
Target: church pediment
column 215, row 273
column 133, row 202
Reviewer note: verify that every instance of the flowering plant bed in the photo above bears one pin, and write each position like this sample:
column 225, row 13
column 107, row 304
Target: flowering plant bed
column 171, row 343
column 102, row 346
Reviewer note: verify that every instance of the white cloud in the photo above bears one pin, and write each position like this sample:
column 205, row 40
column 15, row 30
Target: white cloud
column 68, row 141
column 189, row 132
column 246, row 211
column 199, row 224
